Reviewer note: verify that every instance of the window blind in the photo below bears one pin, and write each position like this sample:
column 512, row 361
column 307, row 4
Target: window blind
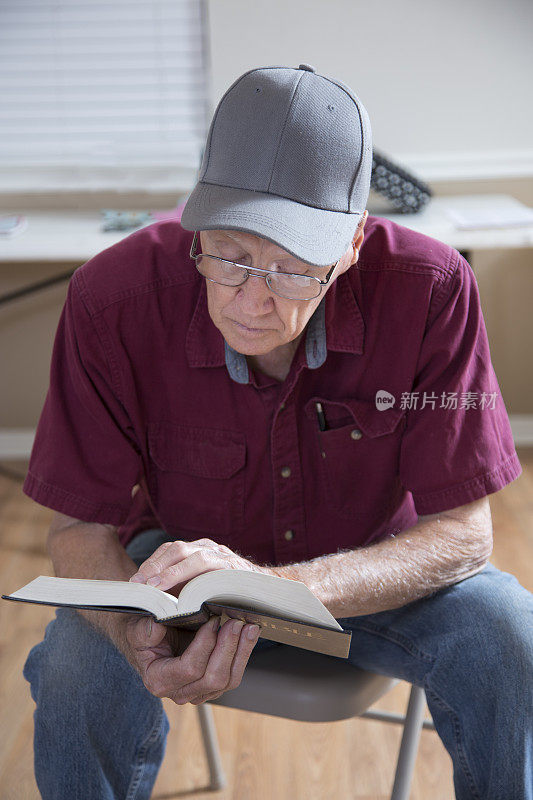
column 102, row 95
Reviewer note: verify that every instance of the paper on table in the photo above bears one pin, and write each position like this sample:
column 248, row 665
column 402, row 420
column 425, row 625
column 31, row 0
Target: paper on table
column 470, row 218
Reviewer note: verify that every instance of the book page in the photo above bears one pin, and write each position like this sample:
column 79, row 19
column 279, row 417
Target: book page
column 254, row 590
column 79, row 591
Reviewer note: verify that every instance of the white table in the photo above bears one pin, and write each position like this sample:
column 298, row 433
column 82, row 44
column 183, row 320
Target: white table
column 55, row 237
column 59, row 237
column 434, row 221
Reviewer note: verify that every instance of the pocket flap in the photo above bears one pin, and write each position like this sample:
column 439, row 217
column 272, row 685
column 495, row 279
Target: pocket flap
column 371, row 420
column 204, row 452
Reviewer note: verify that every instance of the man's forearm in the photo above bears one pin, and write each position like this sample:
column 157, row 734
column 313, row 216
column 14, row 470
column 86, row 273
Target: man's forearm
column 87, row 550
column 395, row 571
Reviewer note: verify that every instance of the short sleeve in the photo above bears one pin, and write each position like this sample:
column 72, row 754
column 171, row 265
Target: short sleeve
column 84, row 460
column 457, row 445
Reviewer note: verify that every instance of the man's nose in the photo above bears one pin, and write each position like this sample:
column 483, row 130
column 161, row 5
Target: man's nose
column 254, row 295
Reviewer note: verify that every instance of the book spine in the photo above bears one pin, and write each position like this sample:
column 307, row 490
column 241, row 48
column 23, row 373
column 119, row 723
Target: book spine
column 276, row 629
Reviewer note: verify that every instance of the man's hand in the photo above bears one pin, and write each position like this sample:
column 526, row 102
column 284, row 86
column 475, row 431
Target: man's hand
column 173, row 564
column 190, row 667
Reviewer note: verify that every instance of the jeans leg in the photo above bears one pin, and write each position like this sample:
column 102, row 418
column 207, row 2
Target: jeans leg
column 98, row 732
column 471, row 648
column 144, row 544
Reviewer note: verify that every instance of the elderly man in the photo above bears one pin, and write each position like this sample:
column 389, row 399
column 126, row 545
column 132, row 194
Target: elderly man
column 278, row 397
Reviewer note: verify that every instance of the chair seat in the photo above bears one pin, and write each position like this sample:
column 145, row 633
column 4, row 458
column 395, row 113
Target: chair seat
column 299, row 684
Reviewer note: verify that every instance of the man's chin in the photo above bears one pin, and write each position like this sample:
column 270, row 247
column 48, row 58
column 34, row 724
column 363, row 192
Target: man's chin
column 248, row 348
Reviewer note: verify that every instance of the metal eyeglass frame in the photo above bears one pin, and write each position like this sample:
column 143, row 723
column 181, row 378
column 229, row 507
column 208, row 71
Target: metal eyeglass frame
column 250, row 270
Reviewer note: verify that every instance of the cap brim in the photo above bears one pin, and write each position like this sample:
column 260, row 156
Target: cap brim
column 313, row 235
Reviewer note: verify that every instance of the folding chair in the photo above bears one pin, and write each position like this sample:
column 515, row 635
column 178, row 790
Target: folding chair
column 302, row 685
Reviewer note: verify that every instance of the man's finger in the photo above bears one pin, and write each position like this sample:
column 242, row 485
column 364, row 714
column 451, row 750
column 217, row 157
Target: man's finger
column 247, row 641
column 167, row 553
column 205, row 698
column 217, row 673
column 179, row 573
column 144, row 633
column 171, row 563
column 165, row 675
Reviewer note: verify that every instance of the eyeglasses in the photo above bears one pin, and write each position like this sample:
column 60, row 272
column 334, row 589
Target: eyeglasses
column 289, row 285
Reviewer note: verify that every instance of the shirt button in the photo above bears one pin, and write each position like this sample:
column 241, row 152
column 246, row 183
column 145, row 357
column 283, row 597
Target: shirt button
column 285, row 472
column 282, row 406
column 356, row 433
column 289, row 535
column 323, row 453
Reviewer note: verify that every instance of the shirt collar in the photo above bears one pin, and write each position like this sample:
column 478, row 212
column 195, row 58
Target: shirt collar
column 344, row 322
column 337, row 324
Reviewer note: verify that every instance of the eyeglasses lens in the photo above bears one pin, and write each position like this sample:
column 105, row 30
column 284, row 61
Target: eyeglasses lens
column 292, row 287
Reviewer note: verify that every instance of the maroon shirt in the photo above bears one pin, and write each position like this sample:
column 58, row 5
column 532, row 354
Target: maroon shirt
column 143, row 389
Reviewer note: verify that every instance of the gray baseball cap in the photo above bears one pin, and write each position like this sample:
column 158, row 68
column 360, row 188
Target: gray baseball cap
column 288, row 158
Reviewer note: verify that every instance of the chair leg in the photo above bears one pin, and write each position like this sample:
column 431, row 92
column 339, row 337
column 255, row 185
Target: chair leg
column 217, row 779
column 409, row 745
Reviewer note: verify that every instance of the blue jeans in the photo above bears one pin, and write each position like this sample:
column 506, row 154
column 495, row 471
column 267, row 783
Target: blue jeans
column 99, row 733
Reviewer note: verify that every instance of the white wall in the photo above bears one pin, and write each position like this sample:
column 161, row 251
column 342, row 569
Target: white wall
column 447, row 84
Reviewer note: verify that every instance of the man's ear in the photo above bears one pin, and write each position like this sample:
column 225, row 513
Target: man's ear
column 357, row 242
column 358, row 238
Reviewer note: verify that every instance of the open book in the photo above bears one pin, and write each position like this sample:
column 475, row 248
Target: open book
column 286, row 610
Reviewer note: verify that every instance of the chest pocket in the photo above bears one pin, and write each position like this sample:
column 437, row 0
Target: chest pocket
column 358, row 457
column 197, row 477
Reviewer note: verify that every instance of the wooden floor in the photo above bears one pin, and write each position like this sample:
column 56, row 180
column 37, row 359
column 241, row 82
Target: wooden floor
column 265, row 758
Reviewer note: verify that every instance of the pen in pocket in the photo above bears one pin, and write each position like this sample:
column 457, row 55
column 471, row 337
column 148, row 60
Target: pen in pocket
column 321, row 417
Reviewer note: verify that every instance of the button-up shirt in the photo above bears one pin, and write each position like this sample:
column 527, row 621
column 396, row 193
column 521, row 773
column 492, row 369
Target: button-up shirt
column 390, row 410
